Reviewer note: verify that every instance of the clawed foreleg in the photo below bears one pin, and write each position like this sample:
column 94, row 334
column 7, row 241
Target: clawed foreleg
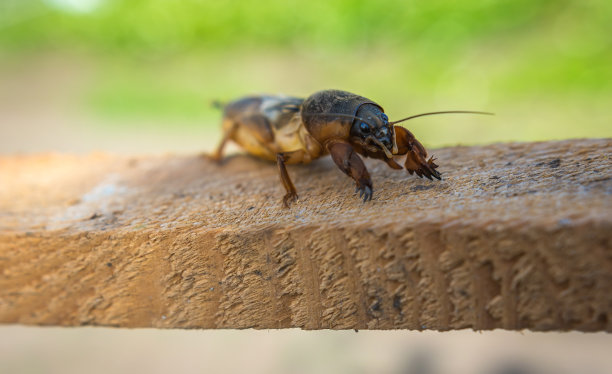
column 416, row 155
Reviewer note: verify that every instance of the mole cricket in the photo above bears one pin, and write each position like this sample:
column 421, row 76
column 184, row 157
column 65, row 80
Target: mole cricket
column 291, row 130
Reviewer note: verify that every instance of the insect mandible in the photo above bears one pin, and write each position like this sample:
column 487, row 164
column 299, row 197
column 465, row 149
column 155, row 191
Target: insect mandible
column 291, row 130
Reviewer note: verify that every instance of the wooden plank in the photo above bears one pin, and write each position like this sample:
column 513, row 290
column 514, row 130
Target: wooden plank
column 516, row 236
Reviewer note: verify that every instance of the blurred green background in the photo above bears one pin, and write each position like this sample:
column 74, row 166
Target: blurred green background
column 139, row 75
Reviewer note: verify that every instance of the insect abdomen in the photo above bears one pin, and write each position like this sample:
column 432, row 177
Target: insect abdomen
column 264, row 127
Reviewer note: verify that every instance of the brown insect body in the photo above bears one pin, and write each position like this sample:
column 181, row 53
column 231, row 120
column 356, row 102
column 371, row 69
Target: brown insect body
column 331, row 102
column 291, row 130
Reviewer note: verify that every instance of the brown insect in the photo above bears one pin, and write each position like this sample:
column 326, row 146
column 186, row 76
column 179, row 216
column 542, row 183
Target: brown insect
column 292, row 130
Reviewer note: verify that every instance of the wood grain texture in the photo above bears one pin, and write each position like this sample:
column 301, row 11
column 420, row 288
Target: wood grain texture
column 515, row 236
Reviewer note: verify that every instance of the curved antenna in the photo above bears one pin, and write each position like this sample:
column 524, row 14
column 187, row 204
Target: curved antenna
column 443, row 112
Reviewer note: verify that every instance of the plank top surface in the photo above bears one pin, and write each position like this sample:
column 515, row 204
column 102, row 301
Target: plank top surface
column 543, row 183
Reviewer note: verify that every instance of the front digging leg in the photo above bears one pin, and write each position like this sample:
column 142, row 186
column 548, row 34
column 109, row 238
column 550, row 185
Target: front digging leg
column 416, row 155
column 352, row 165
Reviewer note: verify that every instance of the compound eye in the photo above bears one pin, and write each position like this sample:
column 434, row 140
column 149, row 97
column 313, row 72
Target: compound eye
column 384, row 117
column 364, row 128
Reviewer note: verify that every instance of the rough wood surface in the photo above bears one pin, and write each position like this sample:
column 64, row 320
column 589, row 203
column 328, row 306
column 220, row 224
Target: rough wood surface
column 515, row 236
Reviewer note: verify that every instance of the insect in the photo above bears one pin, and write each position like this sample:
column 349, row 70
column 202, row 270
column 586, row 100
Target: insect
column 291, row 130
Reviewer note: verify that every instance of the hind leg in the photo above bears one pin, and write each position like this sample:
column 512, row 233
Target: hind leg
column 228, row 133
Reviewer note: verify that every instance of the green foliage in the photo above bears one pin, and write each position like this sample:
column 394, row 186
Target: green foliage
column 162, row 58
column 166, row 26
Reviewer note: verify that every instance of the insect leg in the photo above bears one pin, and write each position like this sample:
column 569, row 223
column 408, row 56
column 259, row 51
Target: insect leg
column 227, row 134
column 351, row 164
column 416, row 155
column 291, row 194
